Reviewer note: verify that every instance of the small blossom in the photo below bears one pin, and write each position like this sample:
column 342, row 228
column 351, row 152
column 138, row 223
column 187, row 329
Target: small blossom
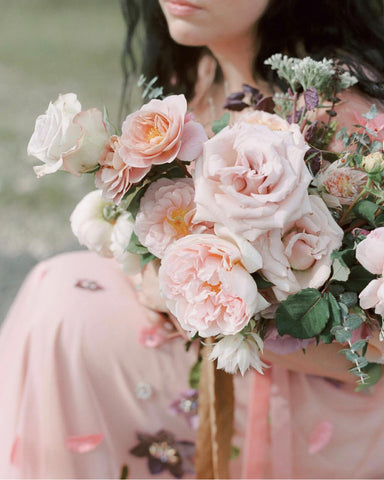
column 341, row 185
column 186, row 405
column 90, row 226
column 238, row 353
column 373, row 163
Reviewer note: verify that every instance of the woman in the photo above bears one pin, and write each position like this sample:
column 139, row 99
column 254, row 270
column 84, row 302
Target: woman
column 83, row 391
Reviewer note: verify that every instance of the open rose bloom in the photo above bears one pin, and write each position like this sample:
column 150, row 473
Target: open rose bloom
column 207, row 287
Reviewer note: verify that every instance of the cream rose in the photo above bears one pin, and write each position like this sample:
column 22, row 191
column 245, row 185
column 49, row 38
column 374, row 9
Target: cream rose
column 206, row 286
column 373, row 296
column 90, row 226
column 299, row 256
column 65, row 138
column 251, row 179
column 120, row 237
column 160, row 132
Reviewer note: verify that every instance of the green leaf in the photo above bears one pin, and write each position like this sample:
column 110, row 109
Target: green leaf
column 348, row 298
column 340, row 271
column 303, row 315
column 355, row 347
column 371, row 114
column 261, row 282
column 334, row 319
column 135, row 246
column 235, row 452
column 341, row 334
column 124, row 472
column 374, row 371
column 218, row 125
column 359, row 278
column 195, row 374
column 353, row 321
column 366, row 210
column 349, row 355
column 146, row 258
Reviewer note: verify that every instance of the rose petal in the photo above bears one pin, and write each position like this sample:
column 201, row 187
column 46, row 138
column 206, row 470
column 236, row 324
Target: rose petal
column 320, row 436
column 192, row 141
column 84, row 444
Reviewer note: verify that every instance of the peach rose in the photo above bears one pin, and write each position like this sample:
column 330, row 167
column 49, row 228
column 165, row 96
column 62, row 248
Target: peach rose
column 299, row 256
column 206, row 286
column 166, row 214
column 114, row 176
column 251, row 179
column 65, row 138
column 370, row 251
column 160, row 132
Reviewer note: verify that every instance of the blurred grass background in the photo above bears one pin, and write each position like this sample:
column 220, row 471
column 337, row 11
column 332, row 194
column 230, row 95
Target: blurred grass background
column 47, row 47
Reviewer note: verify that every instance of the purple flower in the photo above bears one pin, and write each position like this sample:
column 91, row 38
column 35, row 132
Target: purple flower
column 163, row 452
column 186, row 405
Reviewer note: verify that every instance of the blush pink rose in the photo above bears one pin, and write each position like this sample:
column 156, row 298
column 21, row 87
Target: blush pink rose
column 160, row 132
column 207, row 288
column 370, row 251
column 252, row 179
column 299, row 256
column 115, row 177
column 373, row 296
column 166, row 214
column 66, row 138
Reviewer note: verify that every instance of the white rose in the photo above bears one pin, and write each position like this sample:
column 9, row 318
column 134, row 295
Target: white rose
column 120, row 238
column 65, row 138
column 90, row 226
column 299, row 256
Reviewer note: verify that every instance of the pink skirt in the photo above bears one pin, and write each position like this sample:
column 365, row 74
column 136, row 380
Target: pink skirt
column 84, row 396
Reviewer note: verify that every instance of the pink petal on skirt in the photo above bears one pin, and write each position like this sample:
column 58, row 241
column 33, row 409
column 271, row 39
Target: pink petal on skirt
column 84, row 444
column 320, row 436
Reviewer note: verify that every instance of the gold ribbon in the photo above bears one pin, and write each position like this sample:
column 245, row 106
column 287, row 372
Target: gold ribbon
column 216, row 410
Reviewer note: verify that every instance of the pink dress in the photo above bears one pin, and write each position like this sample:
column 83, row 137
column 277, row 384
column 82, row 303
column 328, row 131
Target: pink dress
column 85, row 392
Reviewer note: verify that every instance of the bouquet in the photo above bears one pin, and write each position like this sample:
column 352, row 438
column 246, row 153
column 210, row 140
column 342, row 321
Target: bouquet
column 268, row 231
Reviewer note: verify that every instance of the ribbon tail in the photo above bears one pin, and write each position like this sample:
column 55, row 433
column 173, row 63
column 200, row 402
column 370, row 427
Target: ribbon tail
column 216, row 411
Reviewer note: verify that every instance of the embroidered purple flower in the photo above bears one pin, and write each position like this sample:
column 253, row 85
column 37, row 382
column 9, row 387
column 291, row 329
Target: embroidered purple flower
column 163, row 452
column 186, row 406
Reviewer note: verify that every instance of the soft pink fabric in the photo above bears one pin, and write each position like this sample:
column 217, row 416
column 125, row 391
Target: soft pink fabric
column 71, row 371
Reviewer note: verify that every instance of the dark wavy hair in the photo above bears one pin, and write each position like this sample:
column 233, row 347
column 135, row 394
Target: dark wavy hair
column 351, row 31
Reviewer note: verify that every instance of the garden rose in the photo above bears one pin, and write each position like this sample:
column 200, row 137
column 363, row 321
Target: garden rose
column 90, row 226
column 370, row 251
column 340, row 185
column 120, row 238
column 166, row 214
column 299, row 256
column 65, row 138
column 373, row 296
column 251, row 179
column 114, row 176
column 206, row 286
column 159, row 132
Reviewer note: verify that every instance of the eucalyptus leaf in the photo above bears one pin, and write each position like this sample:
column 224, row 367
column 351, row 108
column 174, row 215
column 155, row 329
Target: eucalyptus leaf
column 349, row 355
column 303, row 315
column 371, row 114
column 355, row 347
column 341, row 334
column 348, row 298
column 374, row 371
column 353, row 321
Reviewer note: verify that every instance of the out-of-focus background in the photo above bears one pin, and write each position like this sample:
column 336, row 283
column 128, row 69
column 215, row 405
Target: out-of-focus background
column 47, row 47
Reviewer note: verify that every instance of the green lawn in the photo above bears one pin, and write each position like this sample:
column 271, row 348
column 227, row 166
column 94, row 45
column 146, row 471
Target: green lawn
column 49, row 47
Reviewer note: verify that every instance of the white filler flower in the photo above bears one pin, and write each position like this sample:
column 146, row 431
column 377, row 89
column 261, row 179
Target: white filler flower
column 238, row 353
